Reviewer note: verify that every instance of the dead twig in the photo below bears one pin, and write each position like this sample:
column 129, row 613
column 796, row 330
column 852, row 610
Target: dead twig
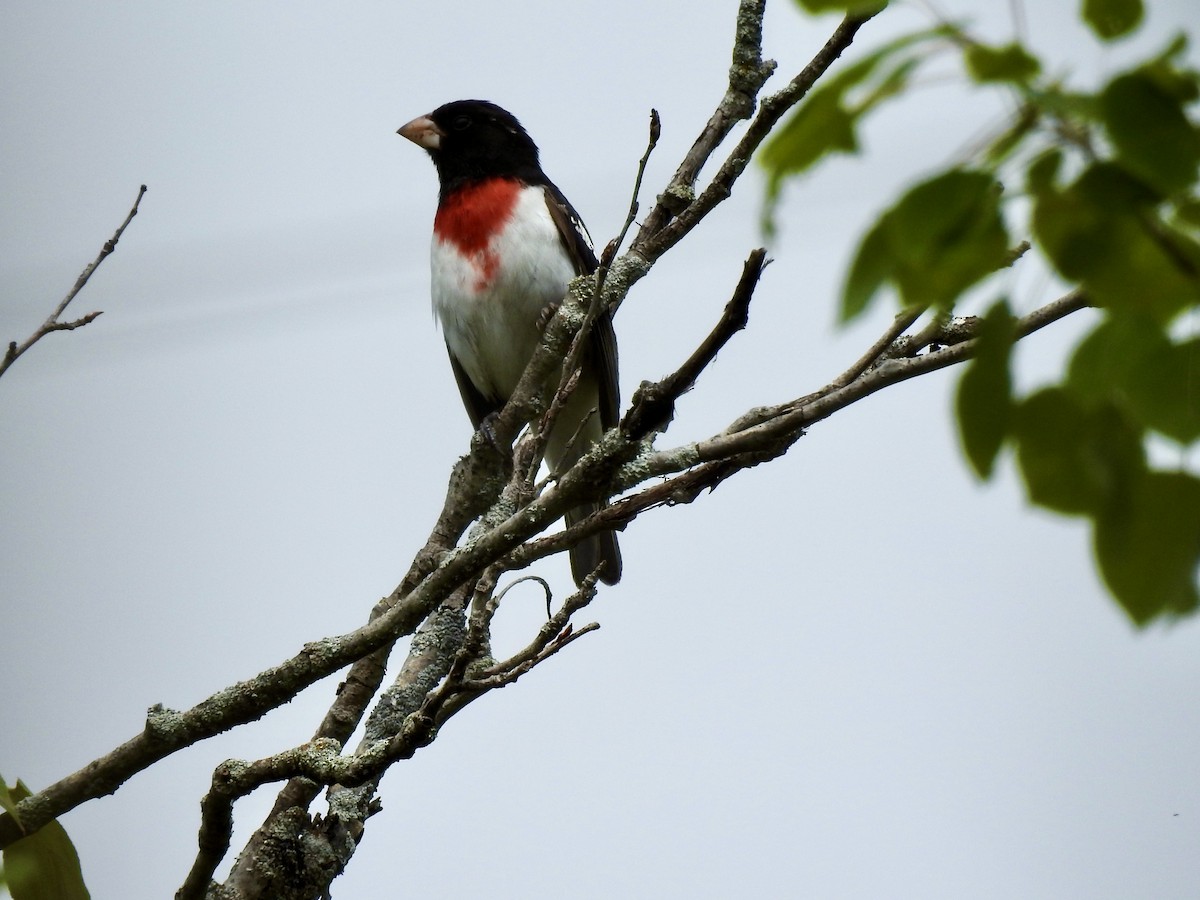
column 53, row 323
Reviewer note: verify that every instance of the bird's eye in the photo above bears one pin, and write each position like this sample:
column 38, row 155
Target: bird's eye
column 462, row 123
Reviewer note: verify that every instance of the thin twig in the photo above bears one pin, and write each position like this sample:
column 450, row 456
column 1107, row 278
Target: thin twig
column 659, row 232
column 462, row 684
column 504, row 677
column 610, row 249
column 793, row 417
column 748, row 72
column 579, row 343
column 52, row 323
column 653, row 405
column 904, row 320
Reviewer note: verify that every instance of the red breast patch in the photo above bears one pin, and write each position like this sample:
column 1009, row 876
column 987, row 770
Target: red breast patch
column 471, row 216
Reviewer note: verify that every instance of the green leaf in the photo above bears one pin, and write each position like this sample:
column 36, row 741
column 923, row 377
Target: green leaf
column 1075, row 459
column 868, row 272
column 941, row 237
column 821, row 125
column 1023, row 124
column 1101, row 365
column 1130, row 362
column 814, row 7
column 1042, row 174
column 1011, row 62
column 1104, row 232
column 826, row 121
column 947, row 234
column 1067, row 105
column 1151, row 133
column 1149, row 549
column 43, row 865
column 984, row 399
column 1165, row 391
column 1167, row 71
column 1111, row 19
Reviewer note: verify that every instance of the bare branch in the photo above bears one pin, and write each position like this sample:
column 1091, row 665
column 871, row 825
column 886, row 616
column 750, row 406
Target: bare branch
column 508, row 675
column 52, row 323
column 233, row 779
column 793, row 417
column 904, row 320
column 611, row 248
column 659, row 233
column 748, row 72
column 654, row 404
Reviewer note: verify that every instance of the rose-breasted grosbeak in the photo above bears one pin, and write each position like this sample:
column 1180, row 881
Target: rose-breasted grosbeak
column 505, row 244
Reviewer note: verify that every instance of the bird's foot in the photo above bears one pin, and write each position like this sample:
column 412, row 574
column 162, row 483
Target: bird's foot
column 487, row 428
column 547, row 314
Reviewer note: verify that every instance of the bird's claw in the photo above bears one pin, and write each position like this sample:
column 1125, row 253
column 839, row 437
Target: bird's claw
column 487, row 428
column 547, row 314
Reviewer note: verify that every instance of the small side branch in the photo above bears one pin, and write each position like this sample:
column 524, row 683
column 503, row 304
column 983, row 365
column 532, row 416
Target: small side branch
column 660, row 231
column 53, row 323
column 654, row 404
column 904, row 320
column 474, row 673
column 748, row 72
column 610, row 250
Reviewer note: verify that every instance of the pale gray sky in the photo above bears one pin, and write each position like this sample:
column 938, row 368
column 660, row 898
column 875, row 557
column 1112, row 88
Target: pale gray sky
column 853, row 673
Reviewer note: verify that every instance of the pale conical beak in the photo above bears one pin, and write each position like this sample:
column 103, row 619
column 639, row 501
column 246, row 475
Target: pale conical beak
column 423, row 132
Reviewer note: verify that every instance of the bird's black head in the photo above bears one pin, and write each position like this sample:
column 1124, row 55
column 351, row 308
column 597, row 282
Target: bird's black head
column 470, row 140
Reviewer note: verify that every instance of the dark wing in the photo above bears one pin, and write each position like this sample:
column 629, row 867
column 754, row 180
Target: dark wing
column 602, row 346
column 478, row 406
column 604, row 352
column 575, row 237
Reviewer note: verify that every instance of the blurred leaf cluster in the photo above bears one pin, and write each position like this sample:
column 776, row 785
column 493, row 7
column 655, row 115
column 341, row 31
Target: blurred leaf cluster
column 1103, row 183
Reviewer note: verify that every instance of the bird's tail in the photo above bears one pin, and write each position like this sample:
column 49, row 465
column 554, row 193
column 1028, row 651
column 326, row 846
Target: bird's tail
column 598, row 550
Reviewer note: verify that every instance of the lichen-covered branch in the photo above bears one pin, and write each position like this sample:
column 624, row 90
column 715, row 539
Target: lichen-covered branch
column 680, row 209
column 446, row 669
